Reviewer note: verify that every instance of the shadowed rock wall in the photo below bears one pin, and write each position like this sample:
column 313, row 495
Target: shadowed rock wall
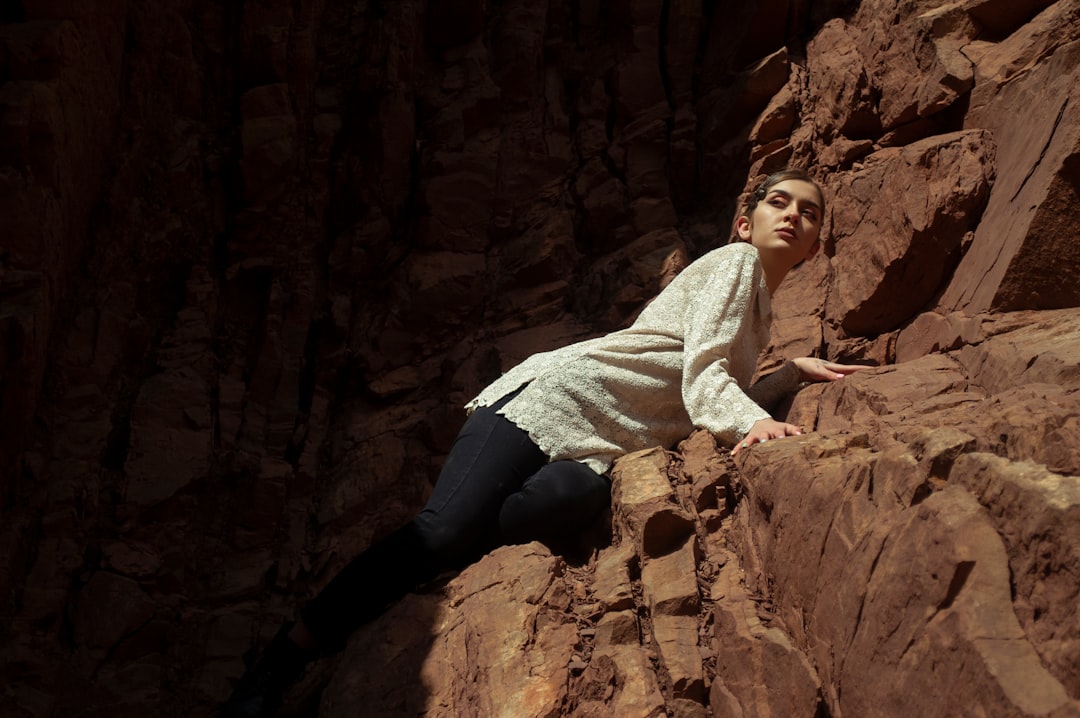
column 255, row 256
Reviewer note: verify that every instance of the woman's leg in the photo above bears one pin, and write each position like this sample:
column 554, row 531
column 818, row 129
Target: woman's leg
column 490, row 459
column 557, row 503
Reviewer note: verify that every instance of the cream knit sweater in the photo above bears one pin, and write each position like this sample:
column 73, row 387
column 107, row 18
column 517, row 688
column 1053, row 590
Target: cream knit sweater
column 686, row 362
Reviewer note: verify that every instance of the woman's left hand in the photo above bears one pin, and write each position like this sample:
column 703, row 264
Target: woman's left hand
column 765, row 429
column 814, row 369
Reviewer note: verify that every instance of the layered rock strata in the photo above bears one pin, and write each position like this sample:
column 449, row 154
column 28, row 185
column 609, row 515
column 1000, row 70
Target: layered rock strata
column 254, row 256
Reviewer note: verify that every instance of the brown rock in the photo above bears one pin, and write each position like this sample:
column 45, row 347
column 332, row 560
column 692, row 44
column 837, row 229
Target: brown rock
column 460, row 202
column 168, row 450
column 612, row 578
column 1047, row 344
column 253, row 264
column 1002, row 18
column 930, row 470
column 618, row 628
column 671, row 582
column 919, row 68
column 929, row 333
column 269, row 141
column 109, row 608
column 627, row 683
column 1033, row 509
column 758, row 670
column 841, row 82
column 456, row 663
column 646, row 505
column 911, row 244
column 676, row 640
column 1033, row 265
column 956, row 600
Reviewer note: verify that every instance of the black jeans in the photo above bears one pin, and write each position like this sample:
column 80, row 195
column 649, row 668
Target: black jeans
column 496, row 487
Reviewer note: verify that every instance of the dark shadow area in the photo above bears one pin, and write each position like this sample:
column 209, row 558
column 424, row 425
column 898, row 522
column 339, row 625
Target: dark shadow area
column 12, row 11
column 379, row 672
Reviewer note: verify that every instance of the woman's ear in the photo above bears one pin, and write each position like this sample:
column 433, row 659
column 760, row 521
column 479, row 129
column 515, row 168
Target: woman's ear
column 742, row 227
column 814, row 248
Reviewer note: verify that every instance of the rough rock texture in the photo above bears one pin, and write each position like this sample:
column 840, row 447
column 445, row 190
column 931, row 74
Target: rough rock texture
column 254, row 256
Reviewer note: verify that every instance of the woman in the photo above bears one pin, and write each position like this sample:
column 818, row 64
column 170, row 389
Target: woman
column 529, row 463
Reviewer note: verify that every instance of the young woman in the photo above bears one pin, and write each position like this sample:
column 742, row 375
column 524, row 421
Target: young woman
column 530, row 462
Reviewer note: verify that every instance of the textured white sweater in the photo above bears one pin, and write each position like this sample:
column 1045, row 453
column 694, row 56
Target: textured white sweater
column 686, row 362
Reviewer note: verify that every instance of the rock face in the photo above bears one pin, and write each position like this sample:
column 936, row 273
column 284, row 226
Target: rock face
column 255, row 256
column 817, row 575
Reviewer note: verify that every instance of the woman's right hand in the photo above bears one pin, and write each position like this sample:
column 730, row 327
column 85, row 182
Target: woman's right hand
column 814, row 369
column 765, row 429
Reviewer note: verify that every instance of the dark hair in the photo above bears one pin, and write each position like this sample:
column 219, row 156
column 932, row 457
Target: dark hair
column 791, row 173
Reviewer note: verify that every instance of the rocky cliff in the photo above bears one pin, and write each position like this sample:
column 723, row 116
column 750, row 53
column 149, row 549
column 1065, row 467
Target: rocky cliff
column 255, row 256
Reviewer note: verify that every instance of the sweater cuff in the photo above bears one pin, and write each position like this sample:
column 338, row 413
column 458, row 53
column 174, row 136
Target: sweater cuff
column 770, row 390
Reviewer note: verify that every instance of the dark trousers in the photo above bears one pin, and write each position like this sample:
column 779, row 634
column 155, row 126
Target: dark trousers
column 496, row 487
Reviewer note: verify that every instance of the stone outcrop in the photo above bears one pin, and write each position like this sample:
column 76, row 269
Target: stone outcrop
column 256, row 256
column 931, row 520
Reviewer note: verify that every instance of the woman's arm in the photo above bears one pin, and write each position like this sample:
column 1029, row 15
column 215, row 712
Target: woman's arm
column 722, row 335
column 769, row 390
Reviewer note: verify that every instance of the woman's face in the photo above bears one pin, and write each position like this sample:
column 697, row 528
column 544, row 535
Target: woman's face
column 786, row 223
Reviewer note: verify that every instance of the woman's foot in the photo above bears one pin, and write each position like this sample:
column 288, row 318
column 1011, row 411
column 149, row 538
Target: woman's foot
column 259, row 692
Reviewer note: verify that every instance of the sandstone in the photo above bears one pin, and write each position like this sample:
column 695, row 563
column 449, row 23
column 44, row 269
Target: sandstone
column 644, row 484
column 617, row 628
column 460, row 204
column 624, row 684
column 109, row 608
column 166, row 453
column 646, row 505
column 840, row 78
column 1001, row 18
column 671, row 584
column 638, row 80
column 931, row 333
column 1048, row 348
column 676, row 639
column 253, row 264
column 920, row 69
column 612, row 578
column 516, row 672
column 916, row 239
column 1026, row 210
column 1032, row 509
column 684, row 25
column 751, row 656
column 965, row 609
column 269, row 140
column 776, row 120
column 134, row 559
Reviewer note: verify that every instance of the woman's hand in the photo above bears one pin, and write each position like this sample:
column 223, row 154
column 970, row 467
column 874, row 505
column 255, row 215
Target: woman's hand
column 765, row 429
column 810, row 369
column 814, row 369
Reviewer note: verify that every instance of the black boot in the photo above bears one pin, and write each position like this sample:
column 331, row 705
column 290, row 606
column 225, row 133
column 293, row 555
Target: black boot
column 259, row 692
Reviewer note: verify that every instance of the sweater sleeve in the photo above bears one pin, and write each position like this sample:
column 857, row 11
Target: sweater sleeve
column 713, row 322
column 768, row 391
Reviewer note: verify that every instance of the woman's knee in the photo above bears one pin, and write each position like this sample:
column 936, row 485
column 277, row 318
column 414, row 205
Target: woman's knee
column 577, row 484
column 445, row 542
column 561, row 498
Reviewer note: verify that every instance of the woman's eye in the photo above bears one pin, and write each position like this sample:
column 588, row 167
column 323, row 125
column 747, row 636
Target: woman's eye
column 810, row 214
